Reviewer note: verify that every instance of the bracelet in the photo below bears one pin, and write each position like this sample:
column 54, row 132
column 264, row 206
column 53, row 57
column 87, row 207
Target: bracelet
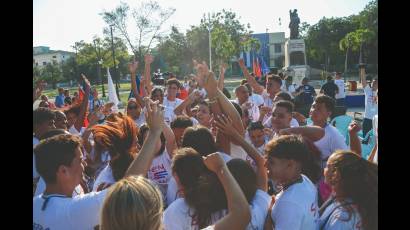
column 212, row 102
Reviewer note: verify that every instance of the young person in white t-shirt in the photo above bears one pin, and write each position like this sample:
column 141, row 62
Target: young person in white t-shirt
column 76, row 114
column 296, row 206
column 321, row 109
column 370, row 103
column 341, row 95
column 60, row 120
column 171, row 101
column 280, row 96
column 61, row 163
column 43, row 121
column 178, row 127
column 256, row 99
column 244, row 100
column 354, row 201
column 291, row 87
column 136, row 112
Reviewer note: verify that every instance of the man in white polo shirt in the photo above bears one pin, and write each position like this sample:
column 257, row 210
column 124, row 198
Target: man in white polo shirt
column 341, row 95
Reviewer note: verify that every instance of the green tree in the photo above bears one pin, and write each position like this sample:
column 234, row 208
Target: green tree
column 52, row 74
column 149, row 17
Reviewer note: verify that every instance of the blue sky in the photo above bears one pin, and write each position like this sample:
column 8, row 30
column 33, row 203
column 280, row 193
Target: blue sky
column 60, row 23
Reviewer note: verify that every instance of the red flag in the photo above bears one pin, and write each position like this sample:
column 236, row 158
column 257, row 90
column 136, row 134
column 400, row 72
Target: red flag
column 258, row 69
column 81, row 95
column 254, row 67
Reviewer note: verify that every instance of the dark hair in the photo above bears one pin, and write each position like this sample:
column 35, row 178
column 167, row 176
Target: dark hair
column 312, row 166
column 41, row 115
column 52, row 133
column 43, row 104
column 285, row 104
column 53, row 152
column 275, row 78
column 287, row 147
column 181, row 121
column 74, row 109
column 285, row 96
column 244, row 174
column 118, row 137
column 244, row 81
column 359, row 182
column 329, row 78
column 327, row 101
column 144, row 129
column 255, row 125
column 199, row 138
column 173, row 81
column 249, row 88
column 155, row 90
column 225, row 91
column 202, row 188
column 238, row 108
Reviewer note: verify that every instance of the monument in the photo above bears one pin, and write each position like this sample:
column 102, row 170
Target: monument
column 295, row 51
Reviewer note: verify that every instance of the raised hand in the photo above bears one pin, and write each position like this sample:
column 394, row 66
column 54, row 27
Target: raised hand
column 241, row 63
column 87, row 84
column 224, row 124
column 214, row 162
column 148, row 58
column 223, row 67
column 133, row 66
column 155, row 115
column 354, row 127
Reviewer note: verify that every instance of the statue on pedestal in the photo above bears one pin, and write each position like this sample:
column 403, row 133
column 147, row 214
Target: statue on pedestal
column 294, row 24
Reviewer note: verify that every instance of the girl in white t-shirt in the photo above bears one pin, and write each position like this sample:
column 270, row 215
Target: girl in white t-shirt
column 136, row 112
column 160, row 169
column 354, row 202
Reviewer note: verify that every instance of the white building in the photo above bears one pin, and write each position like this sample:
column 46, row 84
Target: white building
column 42, row 55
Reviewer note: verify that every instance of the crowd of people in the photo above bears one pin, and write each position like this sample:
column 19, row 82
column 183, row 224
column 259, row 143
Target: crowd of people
column 185, row 156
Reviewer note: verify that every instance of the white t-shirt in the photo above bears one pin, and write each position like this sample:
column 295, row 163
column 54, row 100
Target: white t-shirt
column 376, row 136
column 291, row 89
column 194, row 121
column 283, row 86
column 172, row 190
column 74, row 131
column 337, row 217
column 261, row 151
column 105, row 176
column 169, row 114
column 330, row 142
column 267, row 101
column 238, row 152
column 178, row 214
column 160, row 171
column 253, row 111
column 41, row 186
column 370, row 105
column 341, row 85
column 61, row 212
column 140, row 120
column 256, row 99
column 296, row 207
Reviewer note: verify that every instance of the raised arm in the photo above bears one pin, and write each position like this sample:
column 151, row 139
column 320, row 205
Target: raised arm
column 225, row 125
column 132, row 67
column 314, row 133
column 187, row 102
column 171, row 145
column 355, row 143
column 155, row 121
column 38, row 89
column 92, row 121
column 255, row 85
column 84, row 105
column 239, row 214
column 221, row 77
column 147, row 73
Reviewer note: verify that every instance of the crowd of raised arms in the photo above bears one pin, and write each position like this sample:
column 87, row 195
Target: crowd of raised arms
column 185, row 156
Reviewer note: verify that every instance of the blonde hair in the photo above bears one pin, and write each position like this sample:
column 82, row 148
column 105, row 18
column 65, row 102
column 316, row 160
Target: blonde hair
column 132, row 203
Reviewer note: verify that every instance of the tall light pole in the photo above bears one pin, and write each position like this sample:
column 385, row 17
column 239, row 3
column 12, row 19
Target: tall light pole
column 210, row 43
column 100, row 62
column 115, row 66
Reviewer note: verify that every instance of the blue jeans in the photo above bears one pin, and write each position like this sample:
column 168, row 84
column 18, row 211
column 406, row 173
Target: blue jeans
column 340, row 102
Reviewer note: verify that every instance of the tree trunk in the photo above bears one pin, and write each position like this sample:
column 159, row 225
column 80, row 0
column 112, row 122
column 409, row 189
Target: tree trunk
column 347, row 52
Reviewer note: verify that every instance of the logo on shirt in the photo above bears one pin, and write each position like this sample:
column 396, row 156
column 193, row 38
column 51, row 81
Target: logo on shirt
column 39, row 227
column 159, row 173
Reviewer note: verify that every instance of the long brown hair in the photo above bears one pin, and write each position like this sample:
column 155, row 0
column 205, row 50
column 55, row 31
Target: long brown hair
column 359, row 182
column 119, row 137
column 199, row 138
column 201, row 186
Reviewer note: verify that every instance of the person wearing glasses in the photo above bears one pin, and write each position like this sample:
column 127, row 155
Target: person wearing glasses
column 170, row 100
column 135, row 111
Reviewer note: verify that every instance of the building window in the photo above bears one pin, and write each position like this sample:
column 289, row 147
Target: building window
column 278, row 48
column 54, row 62
column 36, row 63
column 44, row 63
column 63, row 56
column 54, row 56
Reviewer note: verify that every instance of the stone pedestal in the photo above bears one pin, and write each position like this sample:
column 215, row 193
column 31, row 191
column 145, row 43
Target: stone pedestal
column 295, row 59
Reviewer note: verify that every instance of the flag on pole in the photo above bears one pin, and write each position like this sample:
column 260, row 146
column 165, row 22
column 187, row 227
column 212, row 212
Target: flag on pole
column 264, row 67
column 112, row 94
column 258, row 69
